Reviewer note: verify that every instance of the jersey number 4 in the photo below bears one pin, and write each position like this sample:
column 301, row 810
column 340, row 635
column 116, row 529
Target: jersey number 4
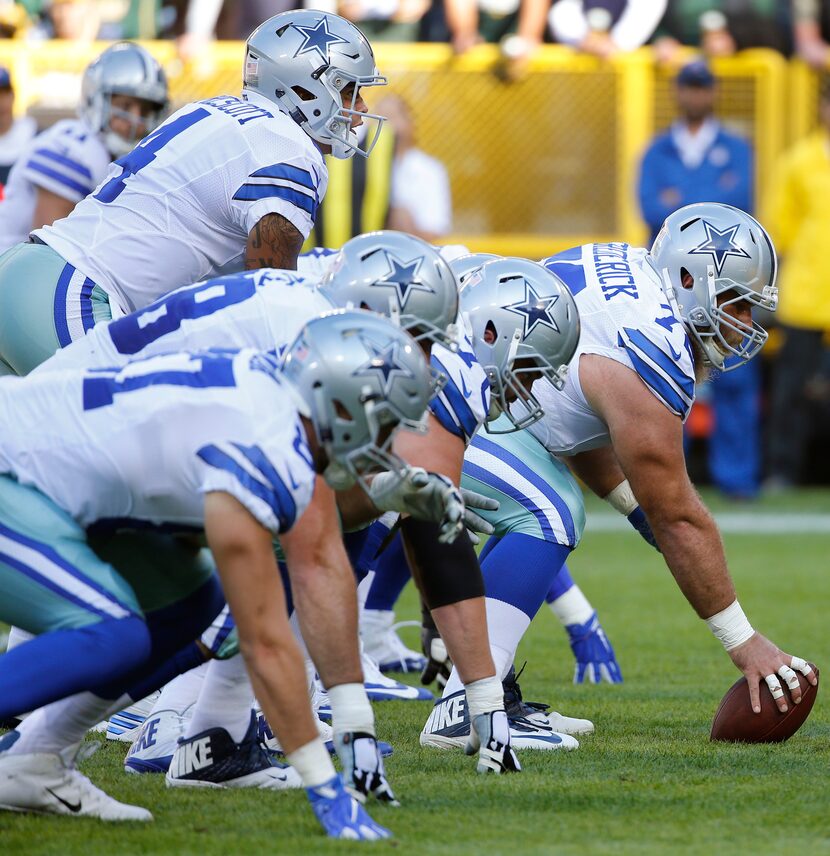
column 145, row 153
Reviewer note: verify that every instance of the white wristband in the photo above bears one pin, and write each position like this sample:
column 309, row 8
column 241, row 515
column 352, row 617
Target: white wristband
column 622, row 498
column 731, row 626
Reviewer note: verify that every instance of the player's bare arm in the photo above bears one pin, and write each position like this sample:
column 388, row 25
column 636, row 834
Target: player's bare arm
column 323, row 586
column 274, row 242
column 50, row 207
column 648, row 442
column 598, row 468
column 243, row 550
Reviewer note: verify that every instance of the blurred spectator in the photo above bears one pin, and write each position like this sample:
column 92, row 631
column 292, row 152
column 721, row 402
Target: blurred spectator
column 722, row 27
column 518, row 24
column 697, row 160
column 812, row 31
column 419, row 202
column 605, row 27
column 15, row 134
column 74, row 20
column 798, row 217
column 385, row 20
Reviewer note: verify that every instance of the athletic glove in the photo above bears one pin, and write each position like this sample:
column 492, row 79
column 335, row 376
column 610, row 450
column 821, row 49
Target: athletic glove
column 490, row 737
column 363, row 772
column 595, row 658
column 439, row 664
column 423, row 495
column 474, row 522
column 638, row 520
column 341, row 815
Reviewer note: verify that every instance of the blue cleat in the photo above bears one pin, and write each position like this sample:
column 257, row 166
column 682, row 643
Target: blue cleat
column 341, row 815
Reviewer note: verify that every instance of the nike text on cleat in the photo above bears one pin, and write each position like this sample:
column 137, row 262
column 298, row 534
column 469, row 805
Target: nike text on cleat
column 211, row 759
column 269, row 739
column 156, row 741
column 448, row 726
column 45, row 784
column 379, row 687
column 341, row 815
column 125, row 725
column 382, row 643
column 538, row 713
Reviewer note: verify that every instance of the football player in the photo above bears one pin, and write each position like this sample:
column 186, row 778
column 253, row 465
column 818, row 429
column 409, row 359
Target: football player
column 228, row 180
column 652, row 322
column 223, row 442
column 123, row 98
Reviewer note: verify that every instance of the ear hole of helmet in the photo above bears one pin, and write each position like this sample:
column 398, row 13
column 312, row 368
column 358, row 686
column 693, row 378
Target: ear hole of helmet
column 686, row 279
column 490, row 333
column 342, row 411
column 302, row 94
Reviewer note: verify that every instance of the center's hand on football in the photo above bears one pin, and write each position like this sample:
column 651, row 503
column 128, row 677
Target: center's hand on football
column 762, row 660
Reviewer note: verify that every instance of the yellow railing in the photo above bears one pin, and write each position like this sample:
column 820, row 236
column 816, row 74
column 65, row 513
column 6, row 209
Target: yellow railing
column 536, row 165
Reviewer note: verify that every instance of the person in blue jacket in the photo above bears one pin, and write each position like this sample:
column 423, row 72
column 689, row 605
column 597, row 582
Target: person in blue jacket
column 698, row 160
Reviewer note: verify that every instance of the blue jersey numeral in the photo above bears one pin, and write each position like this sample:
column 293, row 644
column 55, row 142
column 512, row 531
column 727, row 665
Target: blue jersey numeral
column 132, row 333
column 145, row 152
column 208, row 370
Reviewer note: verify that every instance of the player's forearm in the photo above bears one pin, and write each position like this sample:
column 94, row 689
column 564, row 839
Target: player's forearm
column 693, row 550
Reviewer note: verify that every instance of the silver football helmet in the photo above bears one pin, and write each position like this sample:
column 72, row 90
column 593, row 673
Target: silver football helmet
column 711, row 256
column 517, row 310
column 358, row 377
column 302, row 61
column 400, row 276
column 124, row 68
column 463, row 266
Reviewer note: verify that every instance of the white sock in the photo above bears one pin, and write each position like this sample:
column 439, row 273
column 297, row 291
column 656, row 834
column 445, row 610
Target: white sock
column 225, row 701
column 484, row 696
column 181, row 692
column 506, row 624
column 350, row 709
column 60, row 726
column 313, row 763
column 572, row 607
column 363, row 590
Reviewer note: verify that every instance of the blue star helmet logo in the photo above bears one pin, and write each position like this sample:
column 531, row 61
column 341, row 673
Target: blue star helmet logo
column 403, row 277
column 383, row 364
column 536, row 309
column 317, row 39
column 719, row 245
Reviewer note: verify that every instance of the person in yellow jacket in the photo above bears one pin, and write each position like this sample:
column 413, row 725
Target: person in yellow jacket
column 798, row 218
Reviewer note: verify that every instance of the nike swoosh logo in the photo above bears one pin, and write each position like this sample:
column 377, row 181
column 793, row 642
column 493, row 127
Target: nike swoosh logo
column 73, row 807
column 294, row 484
column 676, row 354
column 464, row 389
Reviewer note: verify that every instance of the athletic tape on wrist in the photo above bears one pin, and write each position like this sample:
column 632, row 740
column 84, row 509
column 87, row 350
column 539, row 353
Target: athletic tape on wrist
column 731, row 626
column 622, row 498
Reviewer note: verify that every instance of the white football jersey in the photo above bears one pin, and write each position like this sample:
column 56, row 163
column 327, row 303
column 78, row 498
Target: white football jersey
column 464, row 402
column 179, row 207
column 68, row 159
column 262, row 309
column 138, row 447
column 626, row 317
column 316, row 261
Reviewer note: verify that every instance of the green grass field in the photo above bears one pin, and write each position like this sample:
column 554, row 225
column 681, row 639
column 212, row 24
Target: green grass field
column 648, row 781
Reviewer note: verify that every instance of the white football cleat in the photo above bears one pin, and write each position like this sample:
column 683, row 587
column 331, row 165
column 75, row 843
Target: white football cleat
column 45, row 784
column 448, row 726
column 156, row 741
column 381, row 688
column 125, row 725
column 382, row 643
column 539, row 714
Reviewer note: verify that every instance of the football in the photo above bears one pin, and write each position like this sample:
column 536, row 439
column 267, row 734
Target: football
column 735, row 721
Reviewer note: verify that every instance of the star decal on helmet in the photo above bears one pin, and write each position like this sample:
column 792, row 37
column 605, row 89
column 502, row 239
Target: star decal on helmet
column 536, row 309
column 317, row 39
column 403, row 277
column 383, row 364
column 720, row 245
